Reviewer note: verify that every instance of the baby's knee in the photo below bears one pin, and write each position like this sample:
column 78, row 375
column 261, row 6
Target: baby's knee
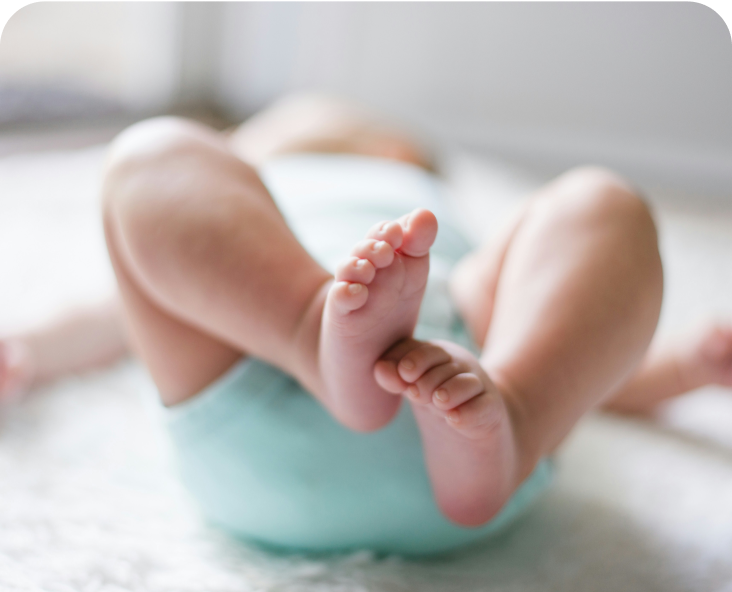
column 612, row 207
column 138, row 150
column 148, row 169
column 596, row 202
column 154, row 138
column 601, row 197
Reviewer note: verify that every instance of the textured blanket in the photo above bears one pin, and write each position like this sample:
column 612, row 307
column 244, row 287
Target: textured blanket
column 88, row 500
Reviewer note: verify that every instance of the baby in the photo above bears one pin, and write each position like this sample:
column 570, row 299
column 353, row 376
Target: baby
column 404, row 393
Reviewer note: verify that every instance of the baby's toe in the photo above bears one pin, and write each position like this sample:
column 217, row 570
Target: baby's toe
column 479, row 413
column 420, row 360
column 433, row 378
column 353, row 269
column 387, row 377
column 385, row 370
column 389, row 231
column 457, row 390
column 346, row 296
column 420, row 230
column 379, row 253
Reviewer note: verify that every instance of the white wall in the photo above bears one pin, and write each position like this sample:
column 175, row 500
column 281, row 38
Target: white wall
column 645, row 87
column 123, row 51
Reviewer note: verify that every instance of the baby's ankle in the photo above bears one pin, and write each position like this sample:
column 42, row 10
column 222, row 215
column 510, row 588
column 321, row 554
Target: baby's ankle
column 306, row 338
column 530, row 444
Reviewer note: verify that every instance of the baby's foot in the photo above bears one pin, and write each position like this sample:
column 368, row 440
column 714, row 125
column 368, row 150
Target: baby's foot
column 467, row 433
column 15, row 370
column 373, row 303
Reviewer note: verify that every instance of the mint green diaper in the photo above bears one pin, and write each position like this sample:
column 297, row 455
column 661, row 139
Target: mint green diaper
column 266, row 462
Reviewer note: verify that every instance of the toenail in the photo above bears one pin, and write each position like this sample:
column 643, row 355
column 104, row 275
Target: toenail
column 355, row 288
column 441, row 395
column 413, row 392
column 407, row 364
column 453, row 416
column 378, row 245
column 360, row 263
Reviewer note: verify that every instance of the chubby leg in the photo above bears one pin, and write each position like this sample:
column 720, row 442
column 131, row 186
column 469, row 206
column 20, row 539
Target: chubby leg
column 146, row 164
column 575, row 307
column 207, row 269
column 565, row 307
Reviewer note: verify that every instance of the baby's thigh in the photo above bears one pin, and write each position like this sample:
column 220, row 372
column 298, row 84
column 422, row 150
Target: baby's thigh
column 474, row 279
column 141, row 196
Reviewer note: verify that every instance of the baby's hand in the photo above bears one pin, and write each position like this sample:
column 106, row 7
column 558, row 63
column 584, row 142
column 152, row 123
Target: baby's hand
column 708, row 359
column 445, row 377
column 15, row 372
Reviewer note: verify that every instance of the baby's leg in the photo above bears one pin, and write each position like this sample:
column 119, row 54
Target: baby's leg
column 566, row 307
column 576, row 304
column 209, row 271
column 207, row 268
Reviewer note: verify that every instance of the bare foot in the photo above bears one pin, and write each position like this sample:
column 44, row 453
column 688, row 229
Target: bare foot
column 15, row 370
column 467, row 432
column 373, row 303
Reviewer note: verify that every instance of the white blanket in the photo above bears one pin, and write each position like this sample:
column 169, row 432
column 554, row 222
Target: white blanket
column 88, row 500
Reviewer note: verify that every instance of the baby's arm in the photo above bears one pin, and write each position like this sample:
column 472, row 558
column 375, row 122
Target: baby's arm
column 675, row 367
column 77, row 341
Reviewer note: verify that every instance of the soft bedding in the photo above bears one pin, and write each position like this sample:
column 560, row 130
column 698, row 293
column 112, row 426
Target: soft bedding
column 88, row 499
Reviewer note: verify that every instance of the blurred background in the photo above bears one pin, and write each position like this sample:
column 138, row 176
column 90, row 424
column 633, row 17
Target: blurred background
column 642, row 87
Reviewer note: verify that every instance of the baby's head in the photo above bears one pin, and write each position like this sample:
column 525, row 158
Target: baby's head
column 315, row 122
